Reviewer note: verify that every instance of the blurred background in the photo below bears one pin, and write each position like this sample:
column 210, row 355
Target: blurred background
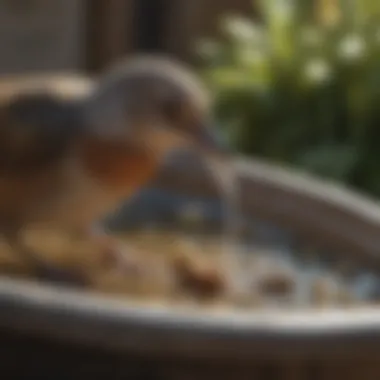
column 51, row 35
column 296, row 81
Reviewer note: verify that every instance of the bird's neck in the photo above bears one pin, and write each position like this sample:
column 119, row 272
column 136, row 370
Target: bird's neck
column 117, row 165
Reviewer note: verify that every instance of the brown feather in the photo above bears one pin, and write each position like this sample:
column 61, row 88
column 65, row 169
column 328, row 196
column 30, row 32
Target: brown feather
column 39, row 120
column 121, row 168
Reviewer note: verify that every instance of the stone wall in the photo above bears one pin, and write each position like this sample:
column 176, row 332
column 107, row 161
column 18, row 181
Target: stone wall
column 41, row 35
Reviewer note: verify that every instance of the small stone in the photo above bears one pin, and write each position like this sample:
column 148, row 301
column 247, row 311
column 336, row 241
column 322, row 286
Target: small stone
column 324, row 291
column 198, row 278
column 277, row 284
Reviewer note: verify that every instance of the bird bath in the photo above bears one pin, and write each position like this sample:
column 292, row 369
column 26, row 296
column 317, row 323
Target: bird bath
column 70, row 328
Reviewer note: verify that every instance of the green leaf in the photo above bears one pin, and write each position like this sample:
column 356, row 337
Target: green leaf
column 301, row 89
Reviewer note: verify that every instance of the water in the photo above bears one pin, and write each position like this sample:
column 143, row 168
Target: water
column 271, row 252
column 238, row 261
column 226, row 177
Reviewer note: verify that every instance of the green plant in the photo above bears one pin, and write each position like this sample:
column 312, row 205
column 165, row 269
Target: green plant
column 302, row 86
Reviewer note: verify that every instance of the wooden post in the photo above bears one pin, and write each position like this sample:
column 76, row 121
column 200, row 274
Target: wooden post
column 109, row 31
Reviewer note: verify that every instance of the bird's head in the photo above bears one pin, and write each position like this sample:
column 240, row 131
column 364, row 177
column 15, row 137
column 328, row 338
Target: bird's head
column 155, row 104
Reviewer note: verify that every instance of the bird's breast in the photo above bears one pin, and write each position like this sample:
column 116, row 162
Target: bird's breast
column 118, row 167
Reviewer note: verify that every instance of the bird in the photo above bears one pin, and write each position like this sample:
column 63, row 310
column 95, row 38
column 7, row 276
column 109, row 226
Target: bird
column 73, row 150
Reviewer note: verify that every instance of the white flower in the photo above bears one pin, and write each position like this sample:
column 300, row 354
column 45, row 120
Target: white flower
column 317, row 71
column 352, row 47
column 242, row 29
column 283, row 7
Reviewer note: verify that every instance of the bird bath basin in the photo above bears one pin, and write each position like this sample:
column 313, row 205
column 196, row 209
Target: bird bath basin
column 112, row 336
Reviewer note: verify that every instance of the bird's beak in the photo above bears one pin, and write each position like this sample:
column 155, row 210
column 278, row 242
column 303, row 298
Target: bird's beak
column 211, row 143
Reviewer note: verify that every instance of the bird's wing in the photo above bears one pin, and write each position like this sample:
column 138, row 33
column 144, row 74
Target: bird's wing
column 39, row 118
